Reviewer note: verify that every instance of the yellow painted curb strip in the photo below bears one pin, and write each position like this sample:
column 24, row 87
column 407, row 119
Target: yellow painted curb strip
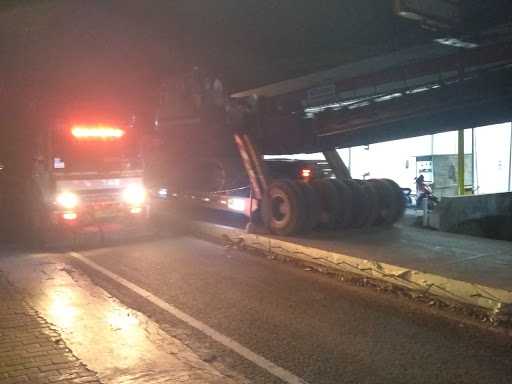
column 494, row 299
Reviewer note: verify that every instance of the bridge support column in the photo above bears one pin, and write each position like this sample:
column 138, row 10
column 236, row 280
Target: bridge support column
column 337, row 165
column 460, row 161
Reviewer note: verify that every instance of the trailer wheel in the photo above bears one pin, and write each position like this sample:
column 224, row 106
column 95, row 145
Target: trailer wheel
column 283, row 208
column 372, row 203
column 312, row 206
column 387, row 201
column 398, row 201
column 345, row 204
column 329, row 202
column 360, row 207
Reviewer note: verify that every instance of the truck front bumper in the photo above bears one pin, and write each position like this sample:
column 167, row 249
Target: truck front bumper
column 96, row 213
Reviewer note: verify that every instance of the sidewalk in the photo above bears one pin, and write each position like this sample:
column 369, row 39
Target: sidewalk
column 31, row 350
column 458, row 268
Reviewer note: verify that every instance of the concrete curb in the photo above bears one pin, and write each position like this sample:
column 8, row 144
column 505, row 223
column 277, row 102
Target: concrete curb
column 494, row 300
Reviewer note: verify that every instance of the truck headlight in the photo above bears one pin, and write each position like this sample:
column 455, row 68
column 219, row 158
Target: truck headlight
column 134, row 194
column 67, row 200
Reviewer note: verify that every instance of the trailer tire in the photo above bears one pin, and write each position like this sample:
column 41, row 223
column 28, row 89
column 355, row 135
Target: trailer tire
column 283, row 208
column 398, row 201
column 360, row 208
column 387, row 201
column 372, row 203
column 329, row 202
column 312, row 206
column 345, row 205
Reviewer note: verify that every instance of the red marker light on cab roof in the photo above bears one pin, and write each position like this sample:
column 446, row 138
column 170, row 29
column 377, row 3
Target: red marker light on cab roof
column 100, row 132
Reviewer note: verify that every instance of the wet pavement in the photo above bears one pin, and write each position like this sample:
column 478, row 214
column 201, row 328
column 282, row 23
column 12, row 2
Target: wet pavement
column 31, row 348
column 122, row 313
column 122, row 345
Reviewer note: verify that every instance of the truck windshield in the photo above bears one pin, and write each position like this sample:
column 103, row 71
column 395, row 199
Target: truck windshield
column 94, row 149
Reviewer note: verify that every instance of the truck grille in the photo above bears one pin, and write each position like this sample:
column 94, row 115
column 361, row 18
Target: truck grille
column 103, row 196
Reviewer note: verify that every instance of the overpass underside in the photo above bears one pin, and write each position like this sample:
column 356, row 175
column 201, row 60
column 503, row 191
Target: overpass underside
column 416, row 91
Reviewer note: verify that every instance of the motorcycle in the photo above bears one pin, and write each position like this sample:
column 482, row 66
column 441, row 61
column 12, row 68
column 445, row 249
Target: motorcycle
column 424, row 191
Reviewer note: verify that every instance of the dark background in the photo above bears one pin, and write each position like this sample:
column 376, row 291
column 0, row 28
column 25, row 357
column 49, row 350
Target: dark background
column 111, row 55
column 61, row 52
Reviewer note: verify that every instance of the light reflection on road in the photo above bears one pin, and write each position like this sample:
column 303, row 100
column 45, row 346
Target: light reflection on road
column 93, row 324
column 122, row 345
column 121, row 320
column 61, row 309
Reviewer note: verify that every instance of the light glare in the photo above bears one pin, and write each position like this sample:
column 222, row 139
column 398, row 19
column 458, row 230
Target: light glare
column 69, row 215
column 134, row 194
column 67, row 200
column 237, row 204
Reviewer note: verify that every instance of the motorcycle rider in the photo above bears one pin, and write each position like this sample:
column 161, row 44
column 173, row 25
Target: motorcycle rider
column 423, row 191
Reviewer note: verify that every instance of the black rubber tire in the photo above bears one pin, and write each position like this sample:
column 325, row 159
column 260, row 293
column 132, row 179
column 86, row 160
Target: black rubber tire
column 329, row 203
column 345, row 204
column 312, row 206
column 387, row 201
column 360, row 208
column 302, row 204
column 283, row 208
column 398, row 201
column 372, row 203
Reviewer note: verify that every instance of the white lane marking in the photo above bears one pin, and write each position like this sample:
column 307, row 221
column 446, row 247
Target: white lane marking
column 253, row 357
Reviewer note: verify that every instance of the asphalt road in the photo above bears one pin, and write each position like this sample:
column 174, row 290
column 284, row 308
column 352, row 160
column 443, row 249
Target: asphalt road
column 317, row 328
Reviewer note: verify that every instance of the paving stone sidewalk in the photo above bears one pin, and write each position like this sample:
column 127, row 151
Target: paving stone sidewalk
column 31, row 350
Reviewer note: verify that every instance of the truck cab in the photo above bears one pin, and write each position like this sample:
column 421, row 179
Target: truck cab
column 86, row 173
